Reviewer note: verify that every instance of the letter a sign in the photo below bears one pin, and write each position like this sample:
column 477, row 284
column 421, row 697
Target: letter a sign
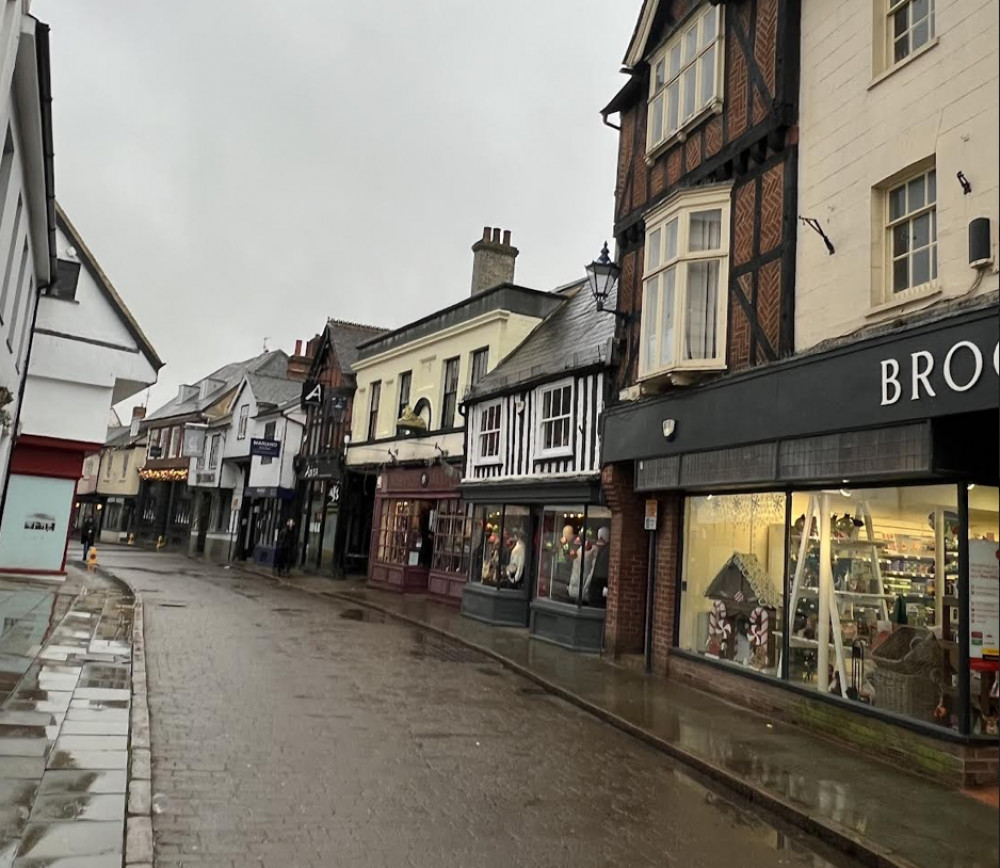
column 312, row 394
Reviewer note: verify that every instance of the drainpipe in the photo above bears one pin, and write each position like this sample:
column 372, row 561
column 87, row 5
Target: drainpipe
column 650, row 586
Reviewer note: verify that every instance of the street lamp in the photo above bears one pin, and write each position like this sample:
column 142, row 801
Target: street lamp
column 603, row 275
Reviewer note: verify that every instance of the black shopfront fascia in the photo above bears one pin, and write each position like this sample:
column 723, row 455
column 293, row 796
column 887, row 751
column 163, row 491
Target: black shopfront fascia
column 862, row 410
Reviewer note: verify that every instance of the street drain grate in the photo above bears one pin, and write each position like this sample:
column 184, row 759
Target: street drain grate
column 447, row 652
column 287, row 611
column 171, row 605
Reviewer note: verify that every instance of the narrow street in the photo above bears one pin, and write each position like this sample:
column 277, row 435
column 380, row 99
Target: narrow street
column 290, row 730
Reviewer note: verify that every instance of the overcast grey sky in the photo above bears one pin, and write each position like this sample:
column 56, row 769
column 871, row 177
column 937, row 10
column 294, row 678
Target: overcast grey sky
column 243, row 168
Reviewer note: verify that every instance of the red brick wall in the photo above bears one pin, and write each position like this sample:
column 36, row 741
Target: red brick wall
column 624, row 623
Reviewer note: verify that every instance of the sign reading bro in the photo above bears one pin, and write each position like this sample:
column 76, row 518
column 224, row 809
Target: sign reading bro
column 960, row 369
column 265, row 448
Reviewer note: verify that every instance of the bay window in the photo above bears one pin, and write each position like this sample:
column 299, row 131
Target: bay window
column 684, row 285
column 685, row 76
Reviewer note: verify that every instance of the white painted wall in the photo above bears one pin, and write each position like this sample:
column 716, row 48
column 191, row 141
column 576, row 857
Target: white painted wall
column 18, row 182
column 281, row 471
column 235, row 447
column 858, row 128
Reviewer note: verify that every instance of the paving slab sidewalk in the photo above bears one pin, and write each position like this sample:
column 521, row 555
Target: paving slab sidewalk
column 882, row 815
column 64, row 723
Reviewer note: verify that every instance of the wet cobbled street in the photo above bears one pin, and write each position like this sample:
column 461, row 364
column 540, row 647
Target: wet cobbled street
column 294, row 730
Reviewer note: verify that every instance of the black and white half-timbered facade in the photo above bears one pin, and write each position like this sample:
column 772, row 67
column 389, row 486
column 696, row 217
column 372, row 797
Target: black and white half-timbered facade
column 541, row 533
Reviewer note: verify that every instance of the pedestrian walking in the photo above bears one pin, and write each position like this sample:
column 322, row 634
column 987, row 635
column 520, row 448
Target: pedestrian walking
column 87, row 535
column 288, row 553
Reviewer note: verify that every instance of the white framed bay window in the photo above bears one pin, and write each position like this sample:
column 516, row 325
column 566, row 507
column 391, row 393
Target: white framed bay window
column 685, row 77
column 685, row 280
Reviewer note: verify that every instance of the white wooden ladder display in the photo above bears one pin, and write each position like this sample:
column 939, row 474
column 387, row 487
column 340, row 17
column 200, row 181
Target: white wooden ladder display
column 829, row 605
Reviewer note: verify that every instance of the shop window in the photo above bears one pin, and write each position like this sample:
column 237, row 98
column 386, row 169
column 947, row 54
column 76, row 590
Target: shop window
column 225, row 505
column 450, row 400
column 452, row 537
column 685, row 77
column 488, row 434
column 984, row 600
column 555, row 420
column 501, row 546
column 573, row 555
column 874, row 598
column 684, row 284
column 394, row 529
column 182, row 511
column 732, row 577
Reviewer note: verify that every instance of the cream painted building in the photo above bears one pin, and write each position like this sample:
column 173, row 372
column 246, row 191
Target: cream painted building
column 893, row 108
column 428, row 364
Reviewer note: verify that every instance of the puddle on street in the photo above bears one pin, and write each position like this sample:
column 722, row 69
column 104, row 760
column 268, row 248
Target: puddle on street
column 368, row 615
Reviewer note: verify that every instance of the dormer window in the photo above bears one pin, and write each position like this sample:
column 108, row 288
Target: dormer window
column 685, row 77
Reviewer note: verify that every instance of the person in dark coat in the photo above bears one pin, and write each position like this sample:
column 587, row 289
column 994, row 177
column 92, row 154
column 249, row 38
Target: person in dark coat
column 88, row 534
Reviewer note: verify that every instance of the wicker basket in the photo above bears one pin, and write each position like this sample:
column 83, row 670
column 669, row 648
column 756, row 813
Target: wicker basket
column 907, row 673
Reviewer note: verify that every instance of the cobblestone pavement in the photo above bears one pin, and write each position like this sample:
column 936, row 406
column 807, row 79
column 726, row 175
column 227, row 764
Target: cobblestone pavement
column 291, row 731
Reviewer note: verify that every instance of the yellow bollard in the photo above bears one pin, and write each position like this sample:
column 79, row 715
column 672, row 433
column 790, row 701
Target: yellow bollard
column 92, row 558
column 160, row 543
column 131, row 539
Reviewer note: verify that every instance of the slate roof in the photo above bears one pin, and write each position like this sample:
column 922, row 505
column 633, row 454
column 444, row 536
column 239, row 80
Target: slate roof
column 273, row 391
column 273, row 363
column 575, row 335
column 345, row 338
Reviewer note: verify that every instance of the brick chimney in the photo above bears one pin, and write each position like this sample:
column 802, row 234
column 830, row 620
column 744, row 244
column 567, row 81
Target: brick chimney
column 139, row 412
column 299, row 364
column 492, row 260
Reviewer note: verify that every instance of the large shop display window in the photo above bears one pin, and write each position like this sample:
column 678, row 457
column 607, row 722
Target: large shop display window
column 871, row 589
column 731, row 597
column 452, row 537
column 573, row 555
column 403, row 533
column 501, row 543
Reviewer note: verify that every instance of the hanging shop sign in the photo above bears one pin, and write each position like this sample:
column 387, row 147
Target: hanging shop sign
column 312, row 394
column 265, row 448
column 164, row 475
column 984, row 599
column 320, row 467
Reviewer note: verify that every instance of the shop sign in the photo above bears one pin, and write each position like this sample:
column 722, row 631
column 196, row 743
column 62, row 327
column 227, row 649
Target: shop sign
column 205, row 478
column 312, row 394
column 320, row 468
column 959, row 370
column 651, row 511
column 984, row 599
column 265, row 448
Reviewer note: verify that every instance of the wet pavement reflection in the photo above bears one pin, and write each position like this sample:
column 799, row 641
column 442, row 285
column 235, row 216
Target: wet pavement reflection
column 307, row 732
column 64, row 673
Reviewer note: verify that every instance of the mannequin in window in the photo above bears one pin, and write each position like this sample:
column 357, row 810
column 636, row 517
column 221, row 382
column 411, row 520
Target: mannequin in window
column 596, row 575
column 565, row 558
column 518, row 554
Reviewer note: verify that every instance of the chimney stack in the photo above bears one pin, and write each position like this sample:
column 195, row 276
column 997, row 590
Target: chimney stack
column 298, row 347
column 138, row 412
column 298, row 364
column 492, row 260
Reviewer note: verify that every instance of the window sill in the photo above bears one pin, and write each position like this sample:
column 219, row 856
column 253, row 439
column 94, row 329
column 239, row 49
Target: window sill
column 913, row 55
column 904, row 298
column 489, row 462
column 680, row 375
column 715, row 108
column 553, row 455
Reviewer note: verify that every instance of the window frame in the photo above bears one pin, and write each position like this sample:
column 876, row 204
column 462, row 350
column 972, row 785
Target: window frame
column 273, row 426
column 890, row 9
column 475, row 374
column 402, row 401
column 681, row 207
column 244, row 419
column 452, row 393
column 661, row 91
column 213, row 451
column 908, row 217
column 562, row 451
column 374, row 404
column 482, row 458
column 453, row 537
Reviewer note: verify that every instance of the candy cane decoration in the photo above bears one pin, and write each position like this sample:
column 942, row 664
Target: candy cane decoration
column 760, row 629
column 718, row 627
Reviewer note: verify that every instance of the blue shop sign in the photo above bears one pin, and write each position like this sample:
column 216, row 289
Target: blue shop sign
column 265, row 448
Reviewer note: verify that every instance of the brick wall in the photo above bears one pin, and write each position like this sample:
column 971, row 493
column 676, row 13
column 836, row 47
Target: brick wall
column 628, row 561
column 667, row 577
